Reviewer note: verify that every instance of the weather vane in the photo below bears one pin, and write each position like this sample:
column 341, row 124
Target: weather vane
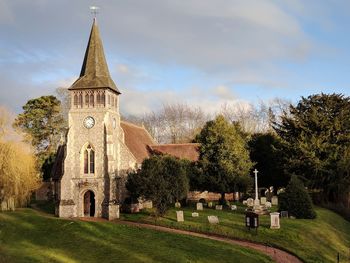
column 94, row 10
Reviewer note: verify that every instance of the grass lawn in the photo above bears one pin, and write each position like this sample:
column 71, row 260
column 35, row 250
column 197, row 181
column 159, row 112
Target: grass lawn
column 316, row 240
column 29, row 236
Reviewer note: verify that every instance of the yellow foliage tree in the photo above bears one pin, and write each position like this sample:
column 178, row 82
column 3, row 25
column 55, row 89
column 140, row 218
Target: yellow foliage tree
column 19, row 176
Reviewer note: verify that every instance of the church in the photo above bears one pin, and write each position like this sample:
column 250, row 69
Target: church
column 92, row 164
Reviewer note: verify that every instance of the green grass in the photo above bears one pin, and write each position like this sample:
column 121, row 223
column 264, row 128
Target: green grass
column 316, row 240
column 30, row 236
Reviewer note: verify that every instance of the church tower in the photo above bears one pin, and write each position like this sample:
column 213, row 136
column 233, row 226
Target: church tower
column 96, row 158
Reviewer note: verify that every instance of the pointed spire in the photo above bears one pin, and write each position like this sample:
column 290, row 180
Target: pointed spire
column 94, row 72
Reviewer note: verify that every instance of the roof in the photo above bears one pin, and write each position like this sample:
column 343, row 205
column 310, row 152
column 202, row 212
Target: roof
column 189, row 151
column 94, row 72
column 137, row 140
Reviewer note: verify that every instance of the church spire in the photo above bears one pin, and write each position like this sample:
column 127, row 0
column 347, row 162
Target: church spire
column 94, row 72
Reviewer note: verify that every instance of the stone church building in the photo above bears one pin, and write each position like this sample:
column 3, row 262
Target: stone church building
column 91, row 166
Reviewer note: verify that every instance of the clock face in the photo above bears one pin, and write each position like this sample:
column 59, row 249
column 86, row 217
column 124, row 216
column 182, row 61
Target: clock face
column 89, row 122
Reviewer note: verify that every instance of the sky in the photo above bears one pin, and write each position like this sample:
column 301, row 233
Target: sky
column 201, row 52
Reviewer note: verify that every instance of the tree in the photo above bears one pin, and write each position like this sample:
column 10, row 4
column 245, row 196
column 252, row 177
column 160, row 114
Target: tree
column 224, row 157
column 296, row 200
column 265, row 152
column 43, row 124
column 316, row 141
column 161, row 179
column 173, row 123
column 18, row 173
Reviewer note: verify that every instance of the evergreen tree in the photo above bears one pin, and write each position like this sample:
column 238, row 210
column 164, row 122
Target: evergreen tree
column 224, row 157
column 296, row 200
column 42, row 122
column 265, row 152
column 161, row 179
column 316, row 141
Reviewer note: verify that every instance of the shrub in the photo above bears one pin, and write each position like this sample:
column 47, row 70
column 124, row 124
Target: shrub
column 296, row 200
column 162, row 179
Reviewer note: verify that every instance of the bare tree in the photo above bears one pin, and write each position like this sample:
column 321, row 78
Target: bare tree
column 256, row 118
column 173, row 123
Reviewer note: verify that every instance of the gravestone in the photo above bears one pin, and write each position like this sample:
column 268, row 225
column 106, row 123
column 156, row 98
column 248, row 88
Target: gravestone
column 250, row 202
column 275, row 220
column 180, row 216
column 210, row 204
column 195, row 214
column 244, row 202
column 262, row 200
column 268, row 205
column 218, row 207
column 177, row 205
column 274, row 200
column 236, row 196
column 199, row 206
column 284, row 213
column 213, row 219
column 233, row 207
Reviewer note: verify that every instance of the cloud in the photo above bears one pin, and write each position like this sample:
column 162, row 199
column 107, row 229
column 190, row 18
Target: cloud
column 220, row 44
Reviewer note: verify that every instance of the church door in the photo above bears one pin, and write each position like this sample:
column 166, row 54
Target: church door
column 89, row 203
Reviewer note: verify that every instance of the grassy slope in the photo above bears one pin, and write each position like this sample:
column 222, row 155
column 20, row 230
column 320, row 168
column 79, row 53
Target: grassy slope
column 28, row 236
column 316, row 240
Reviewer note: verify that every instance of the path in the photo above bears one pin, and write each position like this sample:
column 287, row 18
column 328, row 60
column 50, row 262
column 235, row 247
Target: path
column 276, row 254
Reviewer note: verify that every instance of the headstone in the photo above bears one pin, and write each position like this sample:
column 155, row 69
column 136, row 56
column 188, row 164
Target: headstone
column 250, row 202
column 262, row 200
column 236, row 196
column 3, row 206
column 274, row 200
column 195, row 214
column 210, row 204
column 177, row 205
column 268, row 205
column 284, row 213
column 275, row 220
column 199, row 206
column 218, row 207
column 180, row 216
column 233, row 207
column 213, row 219
column 244, row 202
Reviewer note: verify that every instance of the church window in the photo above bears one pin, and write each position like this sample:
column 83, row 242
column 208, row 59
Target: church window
column 109, row 99
column 75, row 100
column 112, row 100
column 103, row 99
column 92, row 100
column 116, row 104
column 87, row 99
column 89, row 160
column 80, row 100
column 98, row 98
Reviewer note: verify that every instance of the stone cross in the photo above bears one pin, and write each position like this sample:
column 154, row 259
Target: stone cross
column 256, row 185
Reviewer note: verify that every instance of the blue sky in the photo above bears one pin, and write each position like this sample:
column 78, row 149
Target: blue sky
column 203, row 52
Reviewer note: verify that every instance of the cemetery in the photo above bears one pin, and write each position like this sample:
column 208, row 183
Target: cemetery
column 301, row 237
column 92, row 175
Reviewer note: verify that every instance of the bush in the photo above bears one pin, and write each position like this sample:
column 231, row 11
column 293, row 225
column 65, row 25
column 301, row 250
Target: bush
column 162, row 179
column 296, row 200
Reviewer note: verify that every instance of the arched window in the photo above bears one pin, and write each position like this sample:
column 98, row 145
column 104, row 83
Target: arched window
column 87, row 99
column 103, row 99
column 116, row 104
column 80, row 100
column 112, row 100
column 92, row 100
column 75, row 100
column 98, row 98
column 109, row 99
column 89, row 160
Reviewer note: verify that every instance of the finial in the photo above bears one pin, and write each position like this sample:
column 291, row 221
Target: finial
column 94, row 10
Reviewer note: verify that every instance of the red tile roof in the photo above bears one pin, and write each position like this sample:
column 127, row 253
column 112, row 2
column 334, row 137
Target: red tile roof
column 137, row 140
column 189, row 151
